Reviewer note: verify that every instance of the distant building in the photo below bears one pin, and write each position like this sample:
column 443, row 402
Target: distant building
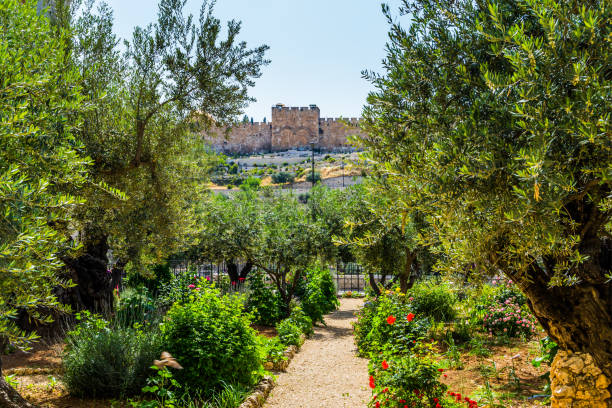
column 290, row 128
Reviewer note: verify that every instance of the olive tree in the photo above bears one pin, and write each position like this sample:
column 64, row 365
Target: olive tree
column 382, row 234
column 40, row 103
column 142, row 133
column 495, row 117
column 229, row 229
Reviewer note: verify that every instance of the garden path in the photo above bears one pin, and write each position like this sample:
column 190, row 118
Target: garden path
column 326, row 372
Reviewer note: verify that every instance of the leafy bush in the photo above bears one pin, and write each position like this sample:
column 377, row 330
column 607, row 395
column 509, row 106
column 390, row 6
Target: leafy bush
column 301, row 320
column 264, row 304
column 178, row 288
column 250, row 183
column 282, row 177
column 319, row 296
column 509, row 319
column 363, row 326
column 104, row 361
column 211, row 337
column 289, row 333
column 393, row 327
column 507, row 290
column 412, row 380
column 311, row 179
column 272, row 349
column 434, row 300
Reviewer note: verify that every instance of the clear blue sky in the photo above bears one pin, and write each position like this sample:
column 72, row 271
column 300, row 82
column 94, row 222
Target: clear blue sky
column 318, row 48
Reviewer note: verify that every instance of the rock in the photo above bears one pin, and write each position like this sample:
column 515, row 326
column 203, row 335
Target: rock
column 602, row 382
column 561, row 403
column 564, row 391
column 575, row 364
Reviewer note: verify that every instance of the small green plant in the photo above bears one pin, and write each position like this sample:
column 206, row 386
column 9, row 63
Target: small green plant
column 413, row 378
column 289, row 333
column 163, row 388
column 548, row 351
column 52, row 383
column 487, row 397
column 453, row 353
column 478, row 348
column 435, row 300
column 301, row 320
column 273, row 349
column 11, row 380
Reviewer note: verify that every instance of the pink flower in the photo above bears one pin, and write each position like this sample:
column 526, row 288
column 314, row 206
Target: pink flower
column 192, row 286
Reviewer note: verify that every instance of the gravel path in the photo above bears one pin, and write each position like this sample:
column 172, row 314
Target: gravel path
column 326, row 372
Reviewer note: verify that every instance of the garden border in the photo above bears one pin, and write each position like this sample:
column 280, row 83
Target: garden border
column 262, row 390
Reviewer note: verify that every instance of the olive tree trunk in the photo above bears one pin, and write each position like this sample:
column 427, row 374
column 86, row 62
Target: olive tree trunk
column 579, row 319
column 94, row 282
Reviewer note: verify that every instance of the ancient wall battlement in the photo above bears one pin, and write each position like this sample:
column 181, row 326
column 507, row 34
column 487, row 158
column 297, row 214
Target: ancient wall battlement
column 290, row 128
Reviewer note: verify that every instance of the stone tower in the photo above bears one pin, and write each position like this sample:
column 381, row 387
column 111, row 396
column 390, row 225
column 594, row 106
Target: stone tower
column 293, row 127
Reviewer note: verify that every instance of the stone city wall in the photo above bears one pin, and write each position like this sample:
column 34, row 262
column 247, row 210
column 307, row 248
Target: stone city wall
column 290, row 128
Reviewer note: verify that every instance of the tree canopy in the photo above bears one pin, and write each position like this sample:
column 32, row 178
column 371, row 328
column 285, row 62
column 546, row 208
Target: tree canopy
column 494, row 120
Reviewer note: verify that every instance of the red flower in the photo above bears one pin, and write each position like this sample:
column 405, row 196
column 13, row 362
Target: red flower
column 410, row 317
column 377, row 404
column 445, row 375
column 385, row 365
column 241, row 279
column 372, row 385
column 391, row 319
column 386, row 389
column 233, row 282
column 441, row 370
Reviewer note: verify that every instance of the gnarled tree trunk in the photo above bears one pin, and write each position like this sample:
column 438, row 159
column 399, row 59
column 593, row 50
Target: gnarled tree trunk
column 89, row 271
column 579, row 319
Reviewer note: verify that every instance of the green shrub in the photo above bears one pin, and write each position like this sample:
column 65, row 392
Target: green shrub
column 178, row 288
column 272, row 349
column 301, row 320
column 211, row 337
column 263, row 303
column 105, row 361
column 289, row 333
column 509, row 319
column 310, row 178
column 363, row 325
column 282, row 177
column 319, row 295
column 412, row 378
column 250, row 183
column 434, row 300
column 389, row 327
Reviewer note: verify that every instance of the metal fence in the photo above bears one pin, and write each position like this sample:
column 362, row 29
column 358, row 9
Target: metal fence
column 352, row 277
column 348, row 277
